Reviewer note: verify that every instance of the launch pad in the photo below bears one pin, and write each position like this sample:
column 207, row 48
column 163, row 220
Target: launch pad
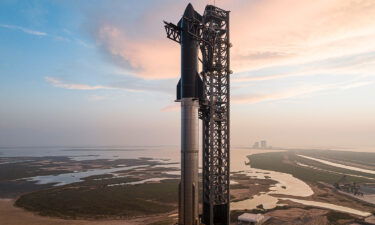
column 204, row 95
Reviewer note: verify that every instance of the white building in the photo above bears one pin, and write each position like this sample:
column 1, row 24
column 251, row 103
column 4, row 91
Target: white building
column 263, row 144
column 252, row 219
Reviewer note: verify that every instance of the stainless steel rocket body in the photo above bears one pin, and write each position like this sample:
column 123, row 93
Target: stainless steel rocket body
column 188, row 213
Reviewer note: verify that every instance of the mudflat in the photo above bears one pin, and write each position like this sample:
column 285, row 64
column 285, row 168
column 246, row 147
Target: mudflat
column 10, row 215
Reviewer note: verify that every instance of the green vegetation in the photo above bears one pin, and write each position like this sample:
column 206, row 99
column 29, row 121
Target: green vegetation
column 21, row 167
column 238, row 186
column 327, row 167
column 365, row 158
column 12, row 189
column 13, row 170
column 29, row 167
column 77, row 201
column 285, row 162
column 333, row 216
column 163, row 222
column 240, row 199
column 96, row 196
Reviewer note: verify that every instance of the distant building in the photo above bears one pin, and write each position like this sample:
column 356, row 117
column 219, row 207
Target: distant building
column 252, row 219
column 263, row 144
column 350, row 187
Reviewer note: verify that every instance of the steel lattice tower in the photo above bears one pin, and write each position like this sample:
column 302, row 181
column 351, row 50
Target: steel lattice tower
column 211, row 31
column 215, row 118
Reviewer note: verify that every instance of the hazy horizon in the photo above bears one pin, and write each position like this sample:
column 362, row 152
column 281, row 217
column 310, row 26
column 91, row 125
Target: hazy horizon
column 369, row 149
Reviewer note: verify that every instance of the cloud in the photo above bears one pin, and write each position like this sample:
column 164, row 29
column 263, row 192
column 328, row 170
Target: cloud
column 310, row 31
column 126, row 83
column 52, row 36
column 25, row 30
column 286, row 94
column 61, row 84
column 264, row 33
column 270, row 41
column 95, row 98
column 295, row 92
column 344, row 65
column 148, row 59
column 171, row 107
column 357, row 84
column 136, row 40
column 253, row 56
column 83, row 43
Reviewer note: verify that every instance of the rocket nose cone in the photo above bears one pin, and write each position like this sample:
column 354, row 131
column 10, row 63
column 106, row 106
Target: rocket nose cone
column 189, row 11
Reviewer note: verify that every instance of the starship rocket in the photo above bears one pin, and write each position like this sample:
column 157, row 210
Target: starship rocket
column 208, row 100
column 189, row 89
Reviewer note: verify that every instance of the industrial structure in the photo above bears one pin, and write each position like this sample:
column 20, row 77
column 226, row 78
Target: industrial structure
column 252, row 219
column 350, row 187
column 263, row 144
column 204, row 95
